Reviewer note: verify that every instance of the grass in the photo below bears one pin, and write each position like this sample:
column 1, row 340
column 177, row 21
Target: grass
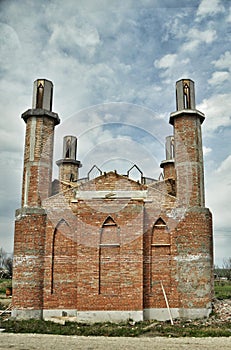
column 146, row 328
column 5, row 283
column 223, row 290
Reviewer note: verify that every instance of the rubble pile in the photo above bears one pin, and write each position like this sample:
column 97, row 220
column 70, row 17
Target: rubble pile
column 222, row 310
column 221, row 314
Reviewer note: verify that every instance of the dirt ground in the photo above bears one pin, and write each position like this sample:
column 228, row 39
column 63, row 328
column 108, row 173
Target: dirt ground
column 59, row 342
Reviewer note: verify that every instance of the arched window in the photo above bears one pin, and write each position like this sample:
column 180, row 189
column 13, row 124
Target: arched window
column 109, row 258
column 160, row 271
column 63, row 260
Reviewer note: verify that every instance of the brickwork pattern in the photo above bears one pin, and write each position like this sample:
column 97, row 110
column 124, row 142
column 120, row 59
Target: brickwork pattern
column 95, row 260
column 38, row 160
column 28, row 270
column 189, row 160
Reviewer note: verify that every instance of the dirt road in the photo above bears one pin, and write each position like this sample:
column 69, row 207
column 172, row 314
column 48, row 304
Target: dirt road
column 45, row 342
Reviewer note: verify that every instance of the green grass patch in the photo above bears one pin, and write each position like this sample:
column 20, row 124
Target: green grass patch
column 139, row 329
column 70, row 328
column 222, row 290
column 5, row 283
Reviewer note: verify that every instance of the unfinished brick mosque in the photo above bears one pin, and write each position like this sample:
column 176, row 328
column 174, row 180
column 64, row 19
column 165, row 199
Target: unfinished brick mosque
column 110, row 248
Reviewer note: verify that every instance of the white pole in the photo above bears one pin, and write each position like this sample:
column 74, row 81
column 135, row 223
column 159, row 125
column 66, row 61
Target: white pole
column 166, row 301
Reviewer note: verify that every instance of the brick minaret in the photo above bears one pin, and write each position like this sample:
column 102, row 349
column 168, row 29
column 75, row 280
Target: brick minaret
column 30, row 224
column 188, row 146
column 38, row 155
column 192, row 240
column 68, row 165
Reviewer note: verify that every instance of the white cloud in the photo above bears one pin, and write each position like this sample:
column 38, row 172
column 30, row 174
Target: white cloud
column 209, row 8
column 220, row 204
column 174, row 26
column 190, row 45
column 225, row 167
column 206, row 36
column 229, row 16
column 166, row 61
column 224, row 61
column 172, row 67
column 10, row 46
column 217, row 110
column 196, row 37
column 72, row 34
column 218, row 194
column 206, row 150
column 218, row 78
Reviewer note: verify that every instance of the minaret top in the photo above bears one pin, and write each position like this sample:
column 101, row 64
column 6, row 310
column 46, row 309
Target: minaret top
column 42, row 101
column 185, row 94
column 42, row 94
column 69, row 147
column 69, row 151
column 68, row 165
column 185, row 101
column 170, row 153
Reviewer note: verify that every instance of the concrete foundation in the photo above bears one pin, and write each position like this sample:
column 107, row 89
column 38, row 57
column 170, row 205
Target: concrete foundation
column 80, row 316
column 95, row 316
column 163, row 314
column 109, row 316
column 59, row 313
column 26, row 314
column 159, row 314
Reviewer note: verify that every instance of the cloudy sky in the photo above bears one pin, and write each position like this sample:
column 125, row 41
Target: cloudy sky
column 114, row 64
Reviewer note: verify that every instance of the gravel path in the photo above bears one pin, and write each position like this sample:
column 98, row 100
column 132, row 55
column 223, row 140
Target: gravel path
column 45, row 342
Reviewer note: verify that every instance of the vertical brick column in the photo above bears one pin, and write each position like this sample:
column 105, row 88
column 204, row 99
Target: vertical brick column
column 38, row 154
column 31, row 219
column 29, row 240
column 188, row 147
column 192, row 240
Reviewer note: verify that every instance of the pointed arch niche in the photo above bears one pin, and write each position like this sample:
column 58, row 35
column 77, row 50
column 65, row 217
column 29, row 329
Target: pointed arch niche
column 160, row 257
column 109, row 258
column 63, row 259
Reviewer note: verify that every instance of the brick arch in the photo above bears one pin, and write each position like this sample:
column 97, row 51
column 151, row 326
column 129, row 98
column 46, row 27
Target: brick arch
column 109, row 258
column 160, row 232
column 160, row 269
column 60, row 222
column 63, row 269
column 109, row 232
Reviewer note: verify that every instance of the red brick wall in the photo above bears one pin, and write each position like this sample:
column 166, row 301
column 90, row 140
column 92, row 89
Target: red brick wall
column 111, row 181
column 189, row 160
column 29, row 241
column 66, row 169
column 169, row 171
column 181, row 256
column 60, row 267
column 193, row 263
column 78, row 269
column 100, row 262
